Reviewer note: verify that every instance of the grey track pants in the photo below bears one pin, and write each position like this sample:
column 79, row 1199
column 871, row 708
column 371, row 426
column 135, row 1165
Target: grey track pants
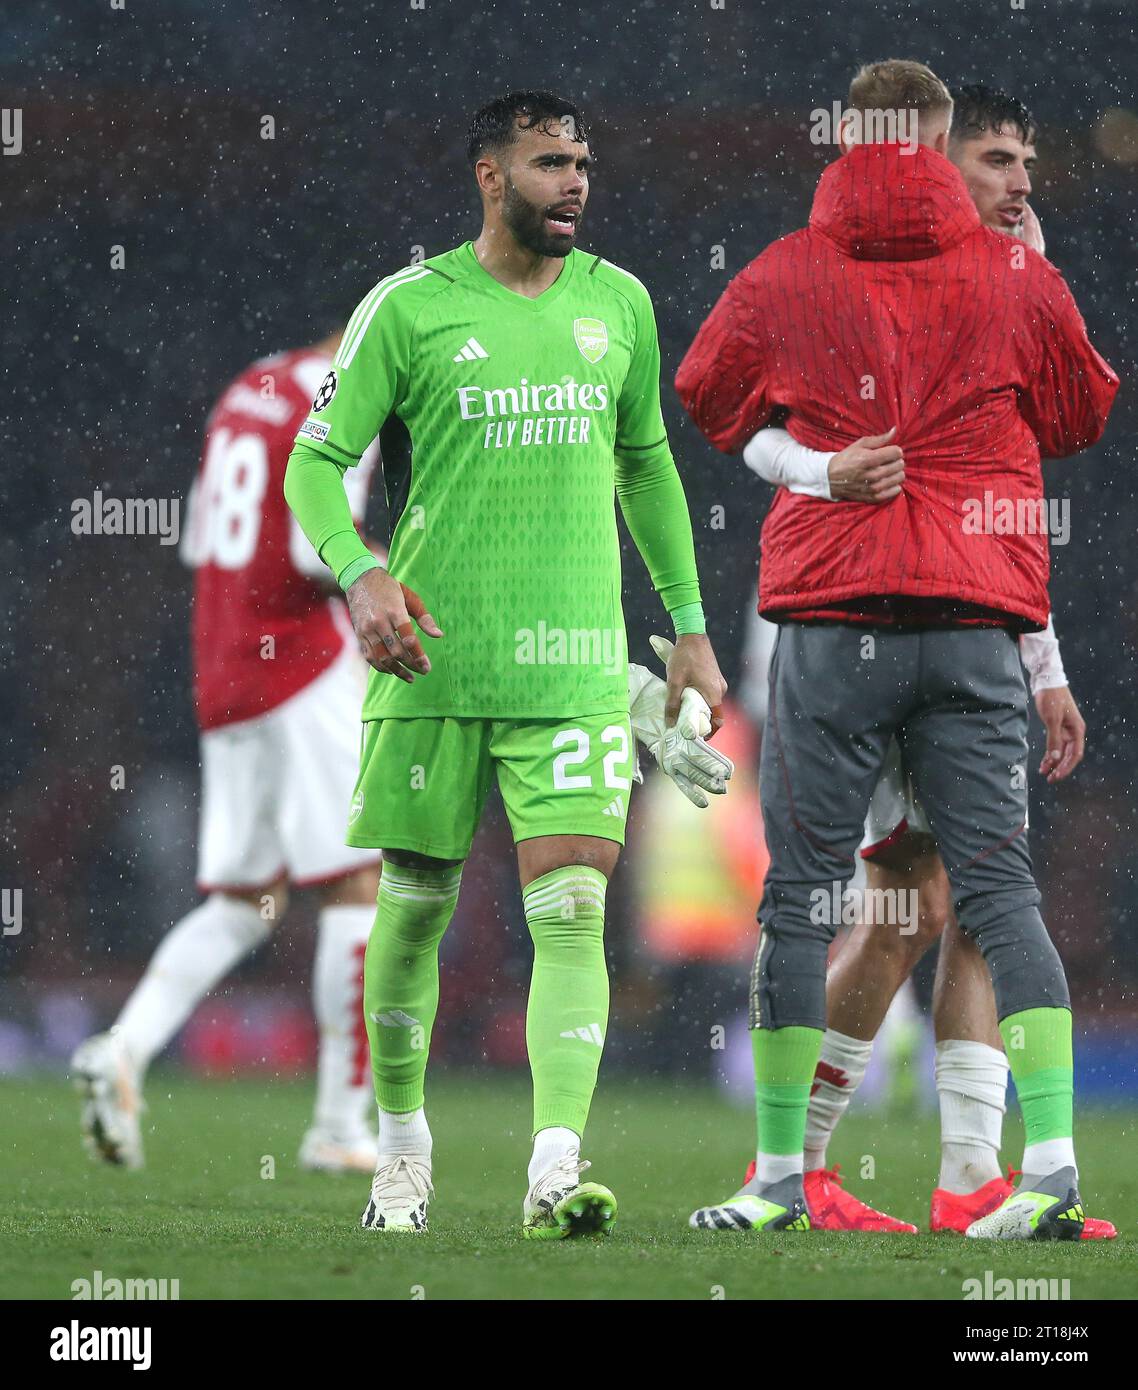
column 957, row 701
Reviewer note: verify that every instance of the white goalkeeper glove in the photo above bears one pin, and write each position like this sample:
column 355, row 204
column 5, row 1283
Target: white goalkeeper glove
column 681, row 751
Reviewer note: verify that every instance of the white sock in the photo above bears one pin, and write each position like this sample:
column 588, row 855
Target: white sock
column 840, row 1071
column 405, row 1134
column 193, row 956
column 971, row 1084
column 343, row 1076
column 549, row 1146
column 1048, row 1157
column 774, row 1167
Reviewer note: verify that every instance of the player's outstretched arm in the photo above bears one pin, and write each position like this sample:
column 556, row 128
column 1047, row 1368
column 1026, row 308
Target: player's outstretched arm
column 777, row 457
column 871, row 469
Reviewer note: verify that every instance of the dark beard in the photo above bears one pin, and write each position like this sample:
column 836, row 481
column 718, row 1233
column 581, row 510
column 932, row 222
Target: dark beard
column 527, row 225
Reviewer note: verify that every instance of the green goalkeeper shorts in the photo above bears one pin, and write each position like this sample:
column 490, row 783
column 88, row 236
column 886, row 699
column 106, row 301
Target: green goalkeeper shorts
column 423, row 782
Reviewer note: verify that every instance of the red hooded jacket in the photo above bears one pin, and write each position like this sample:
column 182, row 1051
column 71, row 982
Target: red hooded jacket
column 897, row 307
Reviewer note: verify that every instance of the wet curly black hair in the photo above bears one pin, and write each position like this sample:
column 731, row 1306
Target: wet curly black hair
column 495, row 125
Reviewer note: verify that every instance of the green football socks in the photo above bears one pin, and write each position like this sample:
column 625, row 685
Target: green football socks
column 785, row 1059
column 569, row 993
column 1038, row 1045
column 401, row 978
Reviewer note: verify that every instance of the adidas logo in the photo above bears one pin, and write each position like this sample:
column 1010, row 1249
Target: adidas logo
column 591, row 1033
column 396, row 1019
column 615, row 807
column 472, row 349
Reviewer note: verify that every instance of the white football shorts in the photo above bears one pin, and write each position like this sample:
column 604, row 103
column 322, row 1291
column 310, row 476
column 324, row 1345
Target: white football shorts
column 894, row 810
column 276, row 789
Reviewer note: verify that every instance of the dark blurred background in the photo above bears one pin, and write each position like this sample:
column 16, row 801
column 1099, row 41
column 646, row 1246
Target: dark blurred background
column 144, row 131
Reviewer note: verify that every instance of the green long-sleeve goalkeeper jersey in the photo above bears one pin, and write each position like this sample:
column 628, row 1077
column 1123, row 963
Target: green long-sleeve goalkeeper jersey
column 505, row 424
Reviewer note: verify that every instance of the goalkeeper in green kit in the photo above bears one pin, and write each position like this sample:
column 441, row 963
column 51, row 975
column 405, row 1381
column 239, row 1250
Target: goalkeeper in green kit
column 514, row 384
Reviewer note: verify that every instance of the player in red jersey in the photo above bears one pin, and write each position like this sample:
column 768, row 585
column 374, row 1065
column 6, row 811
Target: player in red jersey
column 992, row 143
column 278, row 687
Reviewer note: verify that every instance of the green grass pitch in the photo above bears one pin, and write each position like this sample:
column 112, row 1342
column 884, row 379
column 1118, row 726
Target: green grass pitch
column 202, row 1213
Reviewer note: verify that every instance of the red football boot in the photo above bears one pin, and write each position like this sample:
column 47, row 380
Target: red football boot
column 949, row 1211
column 833, row 1209
column 1094, row 1229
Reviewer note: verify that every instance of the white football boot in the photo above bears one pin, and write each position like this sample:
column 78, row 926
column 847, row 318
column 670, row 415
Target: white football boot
column 559, row 1204
column 323, row 1151
column 112, row 1100
column 400, row 1191
column 1041, row 1208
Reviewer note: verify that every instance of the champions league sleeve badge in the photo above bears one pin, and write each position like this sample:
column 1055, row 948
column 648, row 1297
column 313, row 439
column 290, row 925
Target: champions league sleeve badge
column 326, row 392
